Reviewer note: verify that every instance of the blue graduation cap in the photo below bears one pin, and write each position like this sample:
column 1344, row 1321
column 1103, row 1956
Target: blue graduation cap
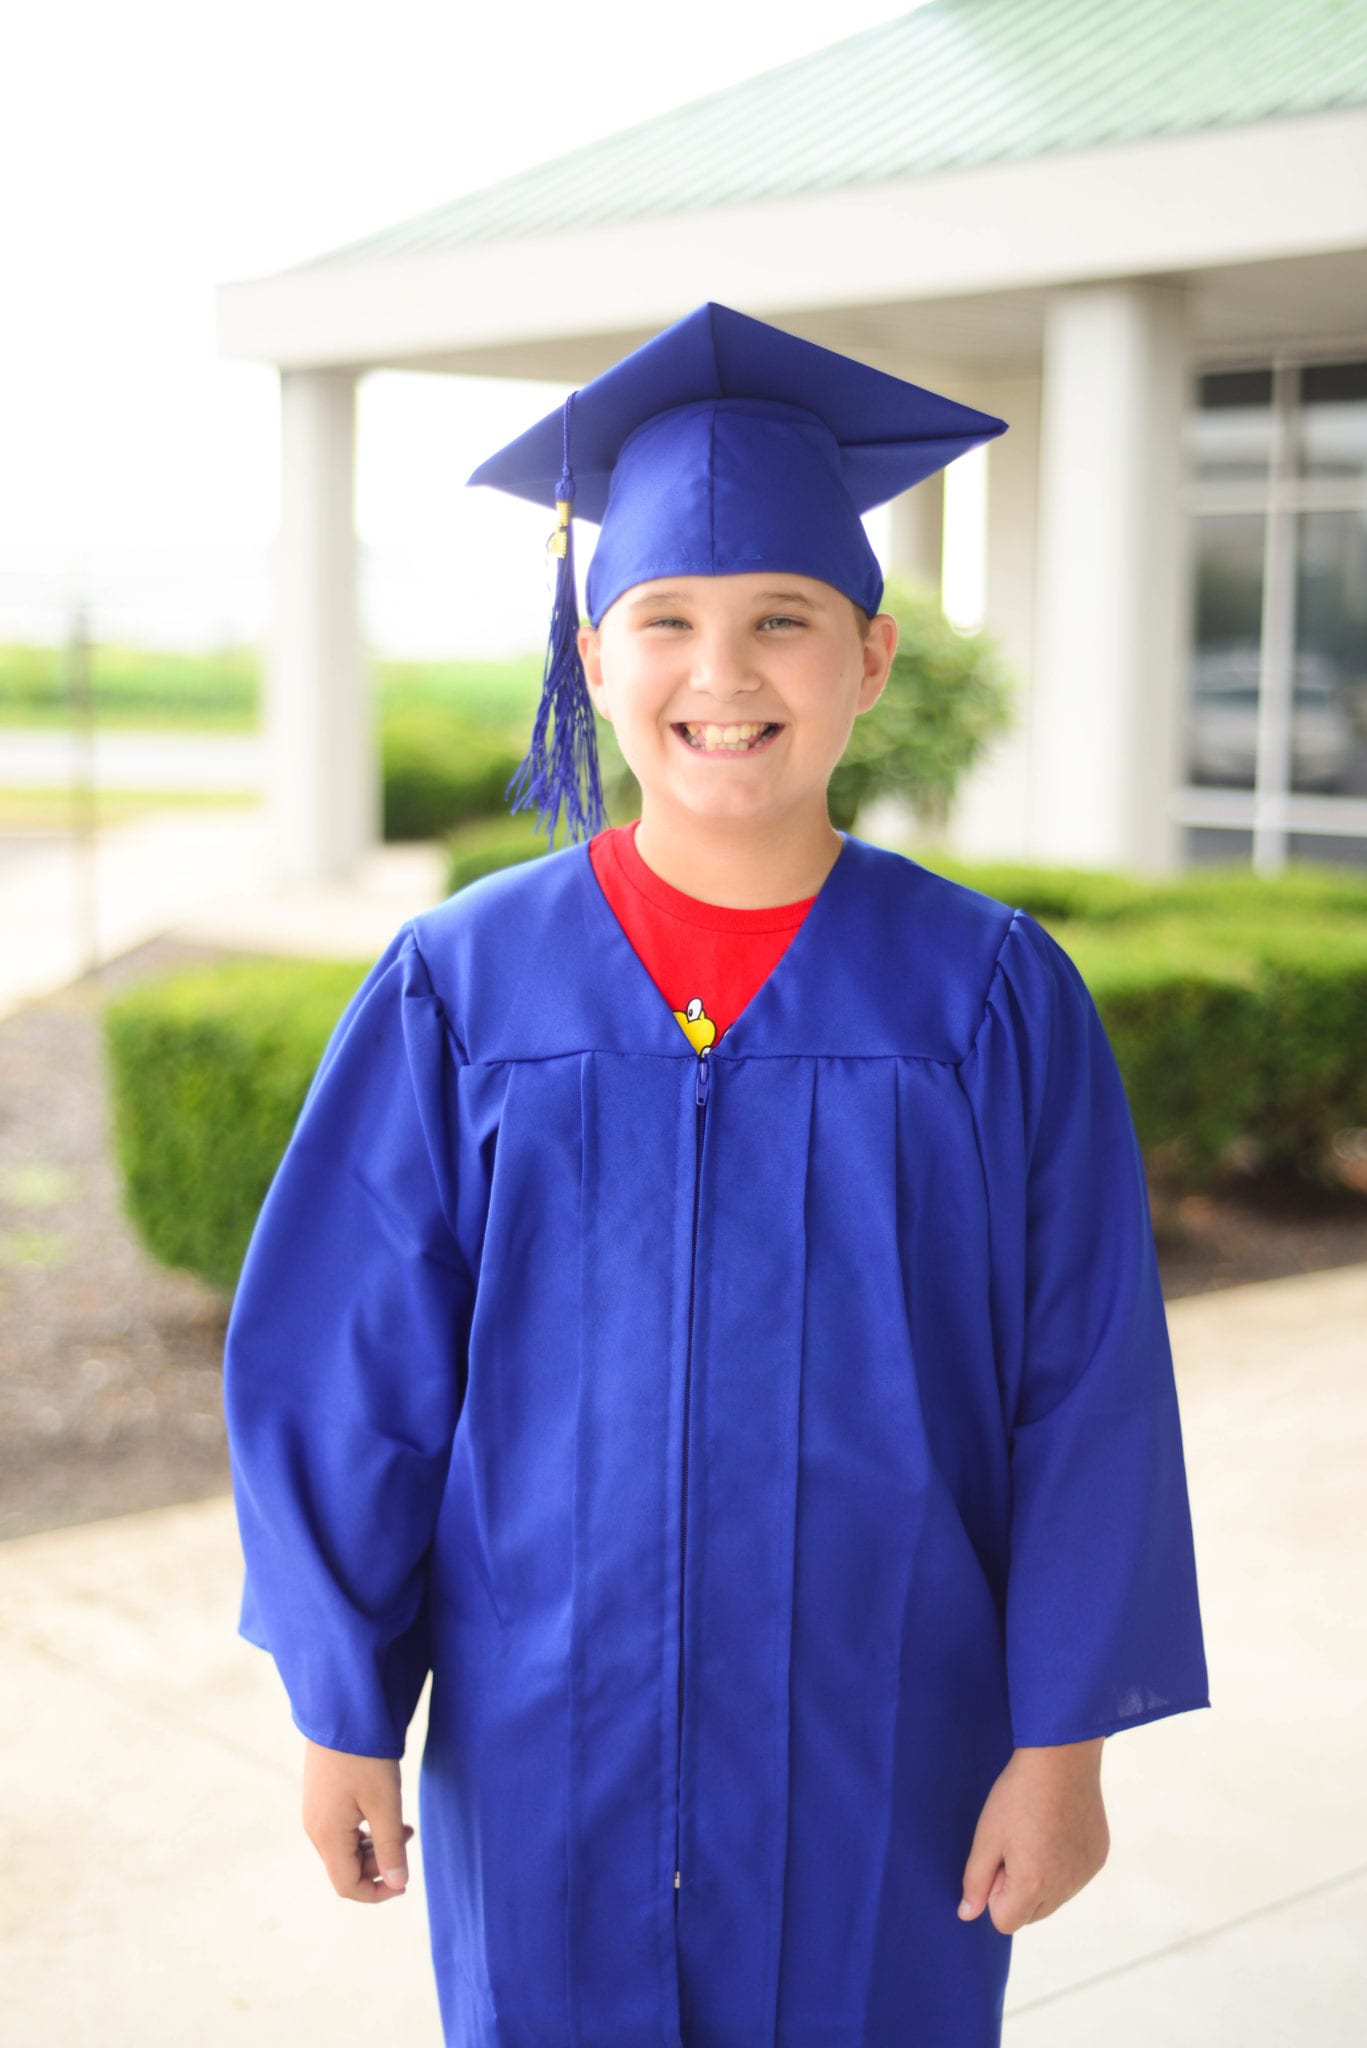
column 720, row 446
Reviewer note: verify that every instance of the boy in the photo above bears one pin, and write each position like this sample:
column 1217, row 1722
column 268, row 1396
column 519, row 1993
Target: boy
column 707, row 1316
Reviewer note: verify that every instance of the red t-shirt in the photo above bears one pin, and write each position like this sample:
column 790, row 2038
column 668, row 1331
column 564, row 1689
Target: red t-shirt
column 705, row 959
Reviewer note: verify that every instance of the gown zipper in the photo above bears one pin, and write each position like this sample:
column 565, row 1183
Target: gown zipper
column 702, row 1079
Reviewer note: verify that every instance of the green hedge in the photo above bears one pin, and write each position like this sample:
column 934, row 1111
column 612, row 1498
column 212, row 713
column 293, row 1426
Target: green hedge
column 208, row 1070
column 440, row 769
column 448, row 772
column 1228, row 1030
column 1234, row 1005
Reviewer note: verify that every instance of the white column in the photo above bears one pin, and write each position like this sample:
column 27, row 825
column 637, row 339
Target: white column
column 916, row 531
column 989, row 816
column 323, row 779
column 915, row 548
column 1111, row 599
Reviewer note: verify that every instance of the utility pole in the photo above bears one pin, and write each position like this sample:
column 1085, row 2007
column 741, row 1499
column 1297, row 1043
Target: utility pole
column 84, row 818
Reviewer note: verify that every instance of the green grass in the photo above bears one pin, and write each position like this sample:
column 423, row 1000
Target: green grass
column 152, row 690
column 53, row 810
column 132, row 686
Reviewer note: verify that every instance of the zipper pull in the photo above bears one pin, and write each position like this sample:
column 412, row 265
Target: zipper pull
column 676, row 1880
column 704, row 1072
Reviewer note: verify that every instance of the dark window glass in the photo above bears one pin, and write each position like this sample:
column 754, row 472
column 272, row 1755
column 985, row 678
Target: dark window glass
column 1222, row 695
column 1326, row 850
column 1234, row 390
column 1329, row 716
column 1331, row 433
column 1333, row 383
column 1206, row 845
column 1230, row 434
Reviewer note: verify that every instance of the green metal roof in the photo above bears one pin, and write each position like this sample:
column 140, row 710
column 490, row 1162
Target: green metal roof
column 948, row 85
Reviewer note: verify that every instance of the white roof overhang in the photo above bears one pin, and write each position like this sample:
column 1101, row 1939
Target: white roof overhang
column 1267, row 223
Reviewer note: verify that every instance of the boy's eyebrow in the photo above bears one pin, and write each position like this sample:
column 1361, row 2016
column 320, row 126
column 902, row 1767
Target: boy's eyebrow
column 762, row 597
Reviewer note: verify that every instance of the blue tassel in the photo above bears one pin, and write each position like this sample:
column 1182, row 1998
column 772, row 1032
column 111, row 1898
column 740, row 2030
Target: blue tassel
column 563, row 768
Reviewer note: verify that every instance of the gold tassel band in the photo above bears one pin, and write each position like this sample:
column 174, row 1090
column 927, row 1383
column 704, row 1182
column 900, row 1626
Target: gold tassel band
column 557, row 543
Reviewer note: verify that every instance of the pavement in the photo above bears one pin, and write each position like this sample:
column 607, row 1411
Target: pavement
column 38, row 759
column 162, row 1891
column 199, row 874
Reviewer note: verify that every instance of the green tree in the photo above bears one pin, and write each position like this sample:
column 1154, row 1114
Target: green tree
column 948, row 695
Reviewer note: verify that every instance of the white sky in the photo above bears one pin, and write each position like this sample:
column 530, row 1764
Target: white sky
column 153, row 149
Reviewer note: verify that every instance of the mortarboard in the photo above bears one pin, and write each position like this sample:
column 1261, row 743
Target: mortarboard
column 719, row 446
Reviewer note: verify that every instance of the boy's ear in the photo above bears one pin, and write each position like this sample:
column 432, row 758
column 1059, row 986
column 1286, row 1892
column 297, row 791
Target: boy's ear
column 880, row 645
column 591, row 657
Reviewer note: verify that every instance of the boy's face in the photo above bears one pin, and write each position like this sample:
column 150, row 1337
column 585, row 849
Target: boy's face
column 757, row 649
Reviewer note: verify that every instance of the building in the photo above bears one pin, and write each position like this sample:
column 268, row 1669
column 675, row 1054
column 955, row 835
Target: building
column 1138, row 234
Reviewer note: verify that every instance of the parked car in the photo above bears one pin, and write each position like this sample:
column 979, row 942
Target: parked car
column 1223, row 720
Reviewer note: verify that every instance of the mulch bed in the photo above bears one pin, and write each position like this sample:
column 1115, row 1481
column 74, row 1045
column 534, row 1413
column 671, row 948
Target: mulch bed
column 111, row 1366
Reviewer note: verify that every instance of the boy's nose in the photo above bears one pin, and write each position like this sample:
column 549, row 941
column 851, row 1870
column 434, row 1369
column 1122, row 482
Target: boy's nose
column 720, row 666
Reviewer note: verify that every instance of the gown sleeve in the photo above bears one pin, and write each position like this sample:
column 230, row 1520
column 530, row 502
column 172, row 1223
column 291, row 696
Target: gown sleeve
column 1103, row 1626
column 342, row 1367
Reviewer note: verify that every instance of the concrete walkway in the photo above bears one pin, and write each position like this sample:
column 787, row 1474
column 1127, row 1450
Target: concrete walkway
column 162, row 1891
column 200, row 874
column 132, row 760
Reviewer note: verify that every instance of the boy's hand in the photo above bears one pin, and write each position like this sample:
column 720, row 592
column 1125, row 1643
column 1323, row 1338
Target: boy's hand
column 340, row 1791
column 1041, row 1836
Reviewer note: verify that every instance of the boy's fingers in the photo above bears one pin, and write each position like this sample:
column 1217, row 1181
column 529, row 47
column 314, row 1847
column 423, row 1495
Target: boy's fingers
column 343, row 1792
column 377, row 1857
column 1015, row 1902
column 368, row 1846
column 983, row 1873
column 346, row 1863
column 384, row 1811
column 407, row 1831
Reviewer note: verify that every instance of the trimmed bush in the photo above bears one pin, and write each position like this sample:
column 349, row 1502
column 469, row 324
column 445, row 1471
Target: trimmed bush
column 1234, row 1006
column 441, row 769
column 208, row 1071
column 1229, row 1028
column 487, row 845
column 1225, row 895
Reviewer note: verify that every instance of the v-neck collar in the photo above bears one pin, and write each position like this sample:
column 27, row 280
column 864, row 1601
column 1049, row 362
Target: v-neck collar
column 664, row 1024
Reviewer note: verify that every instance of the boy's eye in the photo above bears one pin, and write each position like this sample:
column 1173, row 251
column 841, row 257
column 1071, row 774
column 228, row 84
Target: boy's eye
column 772, row 619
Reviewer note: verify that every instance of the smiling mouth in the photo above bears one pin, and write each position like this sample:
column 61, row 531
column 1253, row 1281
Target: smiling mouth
column 727, row 739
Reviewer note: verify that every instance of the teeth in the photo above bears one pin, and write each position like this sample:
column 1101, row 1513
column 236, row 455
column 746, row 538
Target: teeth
column 735, row 737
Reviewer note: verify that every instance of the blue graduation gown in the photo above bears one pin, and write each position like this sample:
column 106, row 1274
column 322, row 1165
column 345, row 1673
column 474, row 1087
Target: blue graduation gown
column 755, row 1447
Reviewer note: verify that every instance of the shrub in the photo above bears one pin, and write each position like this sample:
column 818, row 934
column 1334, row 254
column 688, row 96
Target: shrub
column 1233, row 1004
column 441, row 768
column 208, row 1071
column 1230, row 1027
column 497, row 841
column 486, row 845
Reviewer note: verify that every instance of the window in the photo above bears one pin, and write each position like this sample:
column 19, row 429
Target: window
column 1276, row 704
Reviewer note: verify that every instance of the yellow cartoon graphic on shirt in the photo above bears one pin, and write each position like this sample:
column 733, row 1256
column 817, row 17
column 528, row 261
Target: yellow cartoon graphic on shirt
column 698, row 1027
